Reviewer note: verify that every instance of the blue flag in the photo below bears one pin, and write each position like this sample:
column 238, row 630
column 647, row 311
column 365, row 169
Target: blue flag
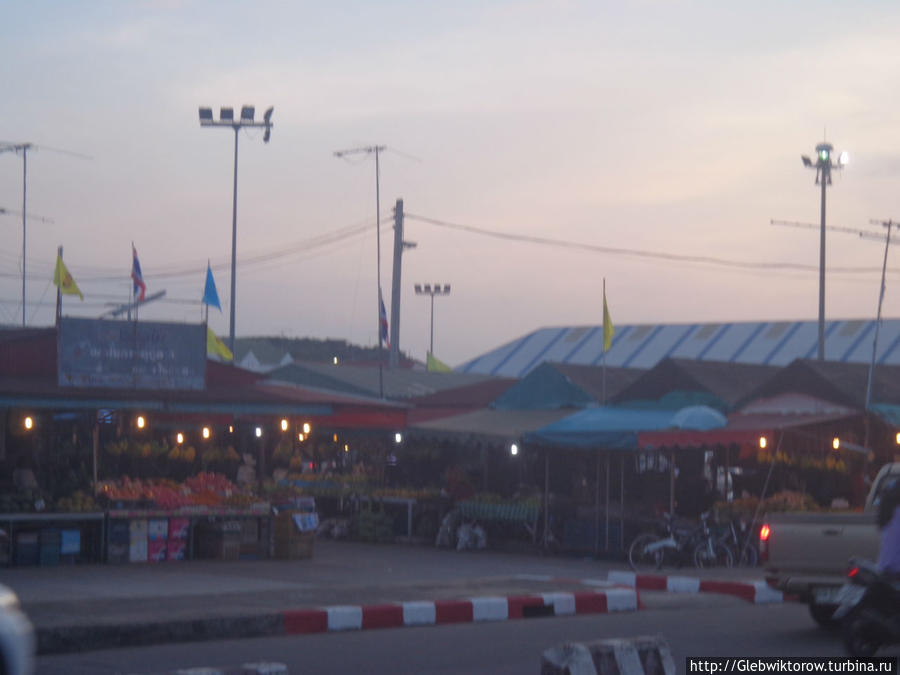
column 210, row 296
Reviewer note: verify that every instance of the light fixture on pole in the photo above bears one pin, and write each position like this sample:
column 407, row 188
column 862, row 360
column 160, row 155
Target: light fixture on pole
column 428, row 289
column 226, row 119
column 823, row 165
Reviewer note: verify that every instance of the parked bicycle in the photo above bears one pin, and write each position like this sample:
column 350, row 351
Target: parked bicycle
column 743, row 546
column 679, row 545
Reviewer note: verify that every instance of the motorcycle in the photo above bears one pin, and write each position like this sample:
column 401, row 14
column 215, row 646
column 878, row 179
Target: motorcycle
column 868, row 608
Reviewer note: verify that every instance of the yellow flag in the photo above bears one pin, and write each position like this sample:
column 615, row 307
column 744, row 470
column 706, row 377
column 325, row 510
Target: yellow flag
column 64, row 280
column 608, row 329
column 433, row 365
column 215, row 346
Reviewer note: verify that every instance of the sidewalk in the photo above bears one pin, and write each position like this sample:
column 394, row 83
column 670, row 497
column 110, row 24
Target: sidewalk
column 79, row 608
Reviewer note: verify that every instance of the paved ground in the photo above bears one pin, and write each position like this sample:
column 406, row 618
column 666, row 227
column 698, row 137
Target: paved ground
column 70, row 605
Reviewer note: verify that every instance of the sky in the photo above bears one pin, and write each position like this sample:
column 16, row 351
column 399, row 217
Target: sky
column 664, row 127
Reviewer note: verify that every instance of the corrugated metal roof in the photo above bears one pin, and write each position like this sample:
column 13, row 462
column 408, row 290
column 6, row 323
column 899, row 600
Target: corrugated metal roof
column 775, row 343
column 398, row 383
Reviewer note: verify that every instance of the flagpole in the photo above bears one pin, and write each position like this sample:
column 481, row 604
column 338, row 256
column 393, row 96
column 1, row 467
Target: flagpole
column 603, row 346
column 58, row 292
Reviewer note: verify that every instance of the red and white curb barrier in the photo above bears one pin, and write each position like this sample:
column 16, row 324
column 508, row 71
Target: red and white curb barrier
column 755, row 591
column 427, row 613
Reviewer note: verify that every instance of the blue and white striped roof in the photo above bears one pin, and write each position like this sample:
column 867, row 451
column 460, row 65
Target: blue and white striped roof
column 774, row 343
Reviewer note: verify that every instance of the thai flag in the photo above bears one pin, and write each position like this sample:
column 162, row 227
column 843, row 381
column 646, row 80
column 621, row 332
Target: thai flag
column 140, row 288
column 383, row 321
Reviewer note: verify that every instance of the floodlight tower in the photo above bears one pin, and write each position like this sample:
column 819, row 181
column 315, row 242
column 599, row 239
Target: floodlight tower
column 428, row 289
column 226, row 119
column 823, row 166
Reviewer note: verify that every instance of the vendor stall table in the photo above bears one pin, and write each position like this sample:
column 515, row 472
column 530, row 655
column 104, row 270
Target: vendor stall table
column 51, row 538
column 143, row 535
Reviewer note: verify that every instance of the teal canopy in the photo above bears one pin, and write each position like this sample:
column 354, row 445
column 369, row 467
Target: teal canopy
column 618, row 428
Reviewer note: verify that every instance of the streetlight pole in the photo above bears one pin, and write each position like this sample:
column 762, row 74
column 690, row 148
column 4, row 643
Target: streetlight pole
column 226, row 119
column 823, row 166
column 430, row 290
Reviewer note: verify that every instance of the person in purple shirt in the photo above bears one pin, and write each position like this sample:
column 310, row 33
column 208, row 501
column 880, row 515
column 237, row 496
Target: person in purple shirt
column 889, row 522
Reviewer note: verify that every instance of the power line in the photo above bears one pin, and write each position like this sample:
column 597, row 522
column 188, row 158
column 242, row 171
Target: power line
column 639, row 253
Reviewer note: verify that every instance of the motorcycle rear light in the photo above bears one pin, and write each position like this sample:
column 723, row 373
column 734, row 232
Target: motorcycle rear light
column 764, row 533
column 853, row 572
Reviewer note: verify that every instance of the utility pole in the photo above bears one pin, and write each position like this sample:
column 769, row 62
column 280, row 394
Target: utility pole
column 375, row 149
column 23, row 148
column 399, row 245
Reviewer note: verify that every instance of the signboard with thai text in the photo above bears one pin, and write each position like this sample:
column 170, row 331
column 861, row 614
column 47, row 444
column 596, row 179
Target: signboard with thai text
column 131, row 354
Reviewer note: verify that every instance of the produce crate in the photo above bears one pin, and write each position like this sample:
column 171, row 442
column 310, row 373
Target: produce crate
column 290, row 542
column 27, row 549
column 218, row 540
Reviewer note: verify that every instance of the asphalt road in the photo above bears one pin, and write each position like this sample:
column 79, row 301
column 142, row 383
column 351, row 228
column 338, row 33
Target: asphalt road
column 728, row 627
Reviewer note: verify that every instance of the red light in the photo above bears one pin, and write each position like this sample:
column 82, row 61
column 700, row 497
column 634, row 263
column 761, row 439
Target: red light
column 853, row 572
column 764, row 533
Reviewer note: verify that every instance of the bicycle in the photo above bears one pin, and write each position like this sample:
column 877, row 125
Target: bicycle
column 678, row 546
column 736, row 538
column 711, row 552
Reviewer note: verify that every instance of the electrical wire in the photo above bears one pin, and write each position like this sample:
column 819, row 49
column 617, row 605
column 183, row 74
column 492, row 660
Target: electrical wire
column 638, row 253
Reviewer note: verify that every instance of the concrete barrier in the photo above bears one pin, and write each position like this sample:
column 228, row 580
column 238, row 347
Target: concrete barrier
column 644, row 655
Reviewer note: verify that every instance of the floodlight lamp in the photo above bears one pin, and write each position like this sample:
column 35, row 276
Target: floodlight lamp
column 140, row 422
column 898, row 438
column 284, row 425
column 418, row 288
column 844, row 158
column 300, row 437
column 259, row 432
column 428, row 288
column 763, row 442
column 179, row 438
column 446, row 288
column 514, row 449
column 230, row 428
column 335, row 360
column 836, row 443
column 306, row 427
column 346, row 447
column 247, row 113
column 226, row 114
column 806, row 160
column 267, row 116
column 206, row 115
column 206, row 433
column 823, row 150
column 398, row 438
column 29, row 423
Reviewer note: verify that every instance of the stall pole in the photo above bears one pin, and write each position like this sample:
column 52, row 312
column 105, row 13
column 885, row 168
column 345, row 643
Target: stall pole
column 546, row 495
column 672, row 482
column 622, row 507
column 606, row 534
column 96, row 451
column 597, row 509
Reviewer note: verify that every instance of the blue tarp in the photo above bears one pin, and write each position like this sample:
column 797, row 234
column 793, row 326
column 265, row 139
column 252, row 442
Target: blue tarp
column 618, row 428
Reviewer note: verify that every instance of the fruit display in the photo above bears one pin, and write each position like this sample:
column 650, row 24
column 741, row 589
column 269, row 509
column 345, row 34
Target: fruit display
column 205, row 489
column 78, row 502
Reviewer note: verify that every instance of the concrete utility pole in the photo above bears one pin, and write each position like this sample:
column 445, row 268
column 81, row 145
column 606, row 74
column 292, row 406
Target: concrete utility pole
column 399, row 245
column 823, row 166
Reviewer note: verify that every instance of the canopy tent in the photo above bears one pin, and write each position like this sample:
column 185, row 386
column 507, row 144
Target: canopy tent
column 611, row 428
column 762, row 418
